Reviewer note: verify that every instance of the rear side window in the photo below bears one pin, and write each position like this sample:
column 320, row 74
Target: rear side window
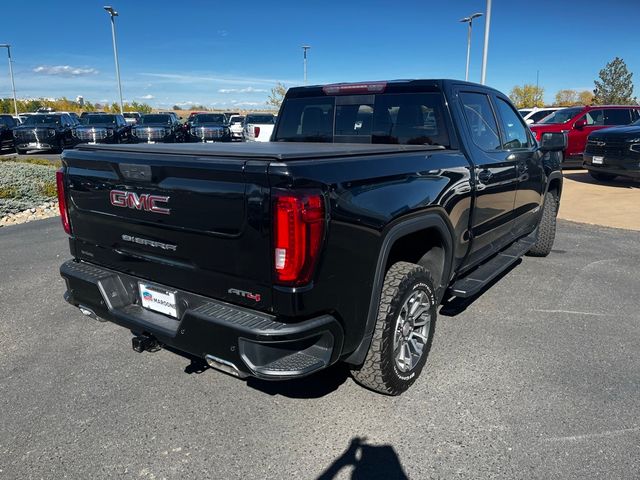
column 616, row 116
column 481, row 120
column 536, row 117
column 513, row 130
column 403, row 118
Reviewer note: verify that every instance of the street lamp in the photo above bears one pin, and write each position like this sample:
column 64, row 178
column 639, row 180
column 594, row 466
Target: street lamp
column 485, row 52
column 469, row 20
column 13, row 84
column 304, row 56
column 112, row 13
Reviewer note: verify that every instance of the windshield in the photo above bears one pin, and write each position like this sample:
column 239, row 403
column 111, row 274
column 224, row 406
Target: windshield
column 99, row 119
column 147, row 119
column 131, row 115
column 42, row 120
column 236, row 119
column 562, row 116
column 209, row 118
column 264, row 119
column 390, row 118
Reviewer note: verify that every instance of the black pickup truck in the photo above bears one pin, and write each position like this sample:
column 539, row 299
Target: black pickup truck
column 336, row 241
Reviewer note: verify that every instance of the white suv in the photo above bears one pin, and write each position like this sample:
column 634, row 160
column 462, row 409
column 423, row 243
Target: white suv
column 534, row 115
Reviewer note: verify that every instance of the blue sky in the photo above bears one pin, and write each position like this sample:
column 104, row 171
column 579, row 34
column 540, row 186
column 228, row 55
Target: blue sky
column 231, row 53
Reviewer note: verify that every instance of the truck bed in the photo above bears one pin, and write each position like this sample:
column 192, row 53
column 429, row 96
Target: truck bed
column 255, row 150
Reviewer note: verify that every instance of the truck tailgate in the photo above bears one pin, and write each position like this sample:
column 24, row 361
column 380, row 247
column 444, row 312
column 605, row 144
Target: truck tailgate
column 190, row 222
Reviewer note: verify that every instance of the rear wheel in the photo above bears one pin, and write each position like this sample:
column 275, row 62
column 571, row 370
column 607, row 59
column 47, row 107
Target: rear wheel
column 546, row 231
column 403, row 333
column 603, row 177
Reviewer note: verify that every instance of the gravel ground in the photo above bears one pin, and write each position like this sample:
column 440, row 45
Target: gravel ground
column 538, row 378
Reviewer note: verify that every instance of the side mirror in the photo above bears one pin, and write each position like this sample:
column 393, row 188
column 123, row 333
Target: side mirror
column 553, row 142
column 580, row 124
column 529, row 121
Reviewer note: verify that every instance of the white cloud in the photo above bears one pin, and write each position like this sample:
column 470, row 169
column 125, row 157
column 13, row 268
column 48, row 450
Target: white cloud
column 198, row 79
column 148, row 96
column 243, row 90
column 64, row 70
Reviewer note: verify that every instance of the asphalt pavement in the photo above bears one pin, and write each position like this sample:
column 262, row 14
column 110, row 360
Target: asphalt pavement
column 539, row 377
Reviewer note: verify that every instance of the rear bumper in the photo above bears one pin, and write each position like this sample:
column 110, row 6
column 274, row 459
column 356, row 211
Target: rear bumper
column 248, row 342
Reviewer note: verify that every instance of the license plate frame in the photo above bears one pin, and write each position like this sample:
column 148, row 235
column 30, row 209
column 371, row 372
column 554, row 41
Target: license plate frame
column 597, row 160
column 158, row 299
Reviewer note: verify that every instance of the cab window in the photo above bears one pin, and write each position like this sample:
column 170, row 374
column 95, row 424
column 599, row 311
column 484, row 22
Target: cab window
column 481, row 120
column 514, row 132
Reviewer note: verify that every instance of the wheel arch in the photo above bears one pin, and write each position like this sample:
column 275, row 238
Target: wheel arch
column 408, row 231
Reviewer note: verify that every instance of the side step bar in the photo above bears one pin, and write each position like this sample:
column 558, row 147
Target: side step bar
column 477, row 279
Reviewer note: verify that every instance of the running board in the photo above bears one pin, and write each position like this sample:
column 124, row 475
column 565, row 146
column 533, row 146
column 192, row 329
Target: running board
column 477, row 279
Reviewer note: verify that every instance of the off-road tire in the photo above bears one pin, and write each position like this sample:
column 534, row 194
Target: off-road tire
column 379, row 371
column 546, row 231
column 602, row 177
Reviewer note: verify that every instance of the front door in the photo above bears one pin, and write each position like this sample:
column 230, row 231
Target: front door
column 496, row 177
column 518, row 141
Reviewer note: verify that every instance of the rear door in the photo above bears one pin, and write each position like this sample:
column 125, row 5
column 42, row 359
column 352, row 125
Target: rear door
column 496, row 176
column 197, row 224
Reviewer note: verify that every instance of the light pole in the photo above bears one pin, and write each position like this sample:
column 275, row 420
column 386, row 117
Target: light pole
column 112, row 13
column 304, row 56
column 13, row 83
column 469, row 20
column 485, row 52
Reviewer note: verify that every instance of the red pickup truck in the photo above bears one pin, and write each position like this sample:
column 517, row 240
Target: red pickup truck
column 579, row 122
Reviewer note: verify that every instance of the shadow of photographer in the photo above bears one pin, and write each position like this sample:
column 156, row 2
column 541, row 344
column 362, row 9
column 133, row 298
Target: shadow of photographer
column 367, row 461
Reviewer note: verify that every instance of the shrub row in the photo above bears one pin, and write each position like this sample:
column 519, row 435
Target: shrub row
column 25, row 185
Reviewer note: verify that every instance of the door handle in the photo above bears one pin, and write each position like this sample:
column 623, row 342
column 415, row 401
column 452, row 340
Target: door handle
column 484, row 176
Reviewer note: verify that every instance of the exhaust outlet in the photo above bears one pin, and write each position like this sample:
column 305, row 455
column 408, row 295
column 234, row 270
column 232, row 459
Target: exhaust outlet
column 87, row 312
column 224, row 366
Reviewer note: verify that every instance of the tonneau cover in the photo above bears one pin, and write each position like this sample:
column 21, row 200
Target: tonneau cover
column 266, row 150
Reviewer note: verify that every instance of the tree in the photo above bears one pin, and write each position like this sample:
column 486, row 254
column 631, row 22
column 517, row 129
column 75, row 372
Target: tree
column 615, row 86
column 585, row 97
column 176, row 107
column 277, row 95
column 566, row 98
column 527, row 96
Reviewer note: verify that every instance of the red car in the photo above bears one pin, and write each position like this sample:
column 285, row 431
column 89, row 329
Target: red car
column 579, row 122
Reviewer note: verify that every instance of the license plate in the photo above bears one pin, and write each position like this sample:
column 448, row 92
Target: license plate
column 209, row 141
column 92, row 143
column 33, row 144
column 158, row 299
column 150, row 141
column 597, row 160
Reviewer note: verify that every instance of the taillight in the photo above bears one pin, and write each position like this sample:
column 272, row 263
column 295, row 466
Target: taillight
column 299, row 223
column 62, row 202
column 256, row 131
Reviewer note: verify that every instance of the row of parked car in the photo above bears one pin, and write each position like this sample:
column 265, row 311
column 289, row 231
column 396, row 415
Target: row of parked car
column 55, row 131
column 604, row 139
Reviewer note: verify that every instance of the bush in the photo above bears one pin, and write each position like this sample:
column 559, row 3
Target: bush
column 32, row 161
column 24, row 185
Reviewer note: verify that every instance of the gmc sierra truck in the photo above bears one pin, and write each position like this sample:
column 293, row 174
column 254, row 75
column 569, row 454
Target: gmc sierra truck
column 334, row 242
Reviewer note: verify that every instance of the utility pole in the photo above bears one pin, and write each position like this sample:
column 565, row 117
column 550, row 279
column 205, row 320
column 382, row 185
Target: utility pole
column 112, row 13
column 485, row 52
column 13, row 83
column 469, row 20
column 304, row 58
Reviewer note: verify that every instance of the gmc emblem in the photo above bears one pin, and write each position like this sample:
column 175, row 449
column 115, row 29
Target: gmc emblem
column 144, row 201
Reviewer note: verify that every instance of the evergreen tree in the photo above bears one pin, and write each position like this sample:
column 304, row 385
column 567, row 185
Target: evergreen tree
column 615, row 86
